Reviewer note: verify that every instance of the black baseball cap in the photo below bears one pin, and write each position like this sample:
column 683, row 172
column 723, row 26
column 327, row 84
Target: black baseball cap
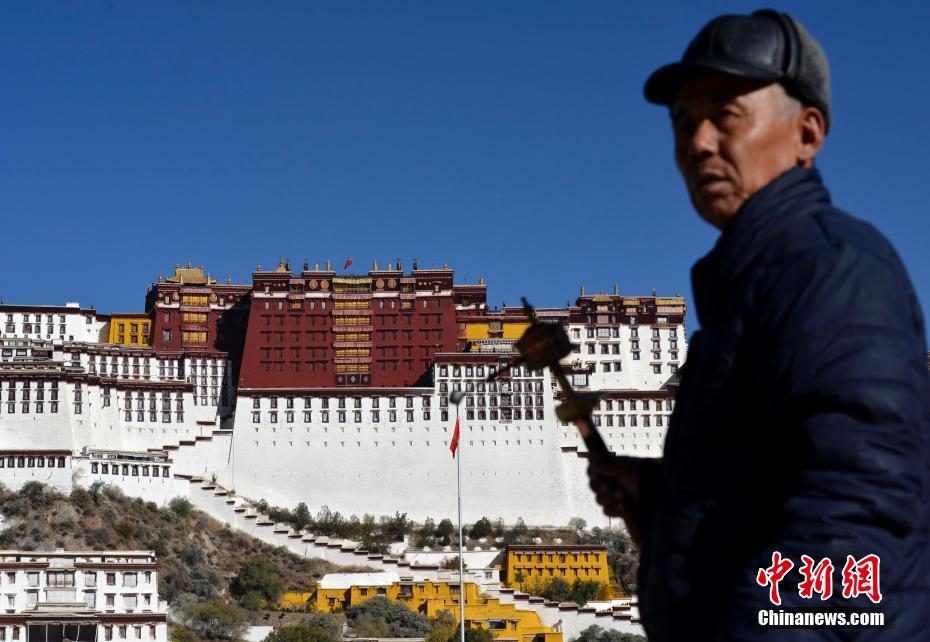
column 767, row 45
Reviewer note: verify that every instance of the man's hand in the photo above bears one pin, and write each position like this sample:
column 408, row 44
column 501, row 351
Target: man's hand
column 615, row 482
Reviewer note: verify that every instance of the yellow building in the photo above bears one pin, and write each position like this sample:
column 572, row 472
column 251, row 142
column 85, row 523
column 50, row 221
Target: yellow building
column 339, row 591
column 130, row 329
column 489, row 327
column 528, row 565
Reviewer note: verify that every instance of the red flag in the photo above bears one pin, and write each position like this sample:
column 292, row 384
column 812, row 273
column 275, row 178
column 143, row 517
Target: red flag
column 348, row 263
column 455, row 438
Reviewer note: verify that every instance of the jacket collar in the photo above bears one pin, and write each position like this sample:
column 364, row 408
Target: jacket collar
column 795, row 193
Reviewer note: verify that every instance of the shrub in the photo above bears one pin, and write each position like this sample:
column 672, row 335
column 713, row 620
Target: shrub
column 260, row 575
column 559, row 590
column 100, row 536
column 159, row 547
column 380, row 617
column 300, row 633
column 125, row 529
column 63, row 514
column 217, row 620
column 82, row 500
column 181, row 506
column 33, row 492
column 251, row 601
column 328, row 622
column 471, row 635
column 442, row 628
column 450, row 563
column 181, row 633
column 594, row 633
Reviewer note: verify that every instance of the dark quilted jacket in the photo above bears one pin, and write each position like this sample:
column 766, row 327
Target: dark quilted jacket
column 801, row 426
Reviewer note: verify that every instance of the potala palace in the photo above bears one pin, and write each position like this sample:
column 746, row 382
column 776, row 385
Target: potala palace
column 331, row 389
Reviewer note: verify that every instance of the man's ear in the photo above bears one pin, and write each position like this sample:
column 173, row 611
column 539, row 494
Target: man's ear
column 812, row 129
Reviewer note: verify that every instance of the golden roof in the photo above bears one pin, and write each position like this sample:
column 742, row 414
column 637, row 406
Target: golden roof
column 190, row 275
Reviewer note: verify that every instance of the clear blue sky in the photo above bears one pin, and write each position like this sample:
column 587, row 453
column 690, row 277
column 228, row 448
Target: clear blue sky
column 509, row 139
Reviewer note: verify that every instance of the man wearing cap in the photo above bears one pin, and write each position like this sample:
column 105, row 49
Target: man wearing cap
column 802, row 424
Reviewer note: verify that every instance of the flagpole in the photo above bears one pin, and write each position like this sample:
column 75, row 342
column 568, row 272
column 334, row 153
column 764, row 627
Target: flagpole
column 456, row 398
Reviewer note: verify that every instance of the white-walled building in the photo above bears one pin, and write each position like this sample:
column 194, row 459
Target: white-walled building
column 55, row 323
column 254, row 420
column 85, row 596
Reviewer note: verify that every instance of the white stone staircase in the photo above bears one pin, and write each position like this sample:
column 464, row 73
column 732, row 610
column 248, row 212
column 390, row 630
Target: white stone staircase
column 239, row 513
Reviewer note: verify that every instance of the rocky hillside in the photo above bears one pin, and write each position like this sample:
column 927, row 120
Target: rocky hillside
column 197, row 556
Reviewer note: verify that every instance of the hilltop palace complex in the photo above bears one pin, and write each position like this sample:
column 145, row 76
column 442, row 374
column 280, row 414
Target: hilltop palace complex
column 330, row 389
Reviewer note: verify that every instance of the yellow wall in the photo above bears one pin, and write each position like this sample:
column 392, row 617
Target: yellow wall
column 130, row 331
column 475, row 330
column 545, row 563
column 291, row 600
column 515, row 330
column 504, row 621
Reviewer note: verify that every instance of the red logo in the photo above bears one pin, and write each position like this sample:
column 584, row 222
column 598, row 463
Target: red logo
column 860, row 577
column 817, row 579
column 774, row 574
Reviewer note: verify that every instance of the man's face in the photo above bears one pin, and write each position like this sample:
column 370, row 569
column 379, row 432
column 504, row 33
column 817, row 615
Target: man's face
column 732, row 137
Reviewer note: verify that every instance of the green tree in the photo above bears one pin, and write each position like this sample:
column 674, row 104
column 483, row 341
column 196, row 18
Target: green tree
column 217, row 620
column 397, row 527
column 260, row 575
column 577, row 524
column 517, row 533
column 328, row 523
column 442, row 627
column 381, row 617
column 481, row 528
column 426, row 534
column 558, row 590
column 300, row 633
column 302, row 516
column 622, row 556
column 583, row 591
column 446, row 528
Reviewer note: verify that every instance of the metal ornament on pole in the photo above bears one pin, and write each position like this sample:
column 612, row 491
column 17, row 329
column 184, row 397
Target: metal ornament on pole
column 456, row 397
